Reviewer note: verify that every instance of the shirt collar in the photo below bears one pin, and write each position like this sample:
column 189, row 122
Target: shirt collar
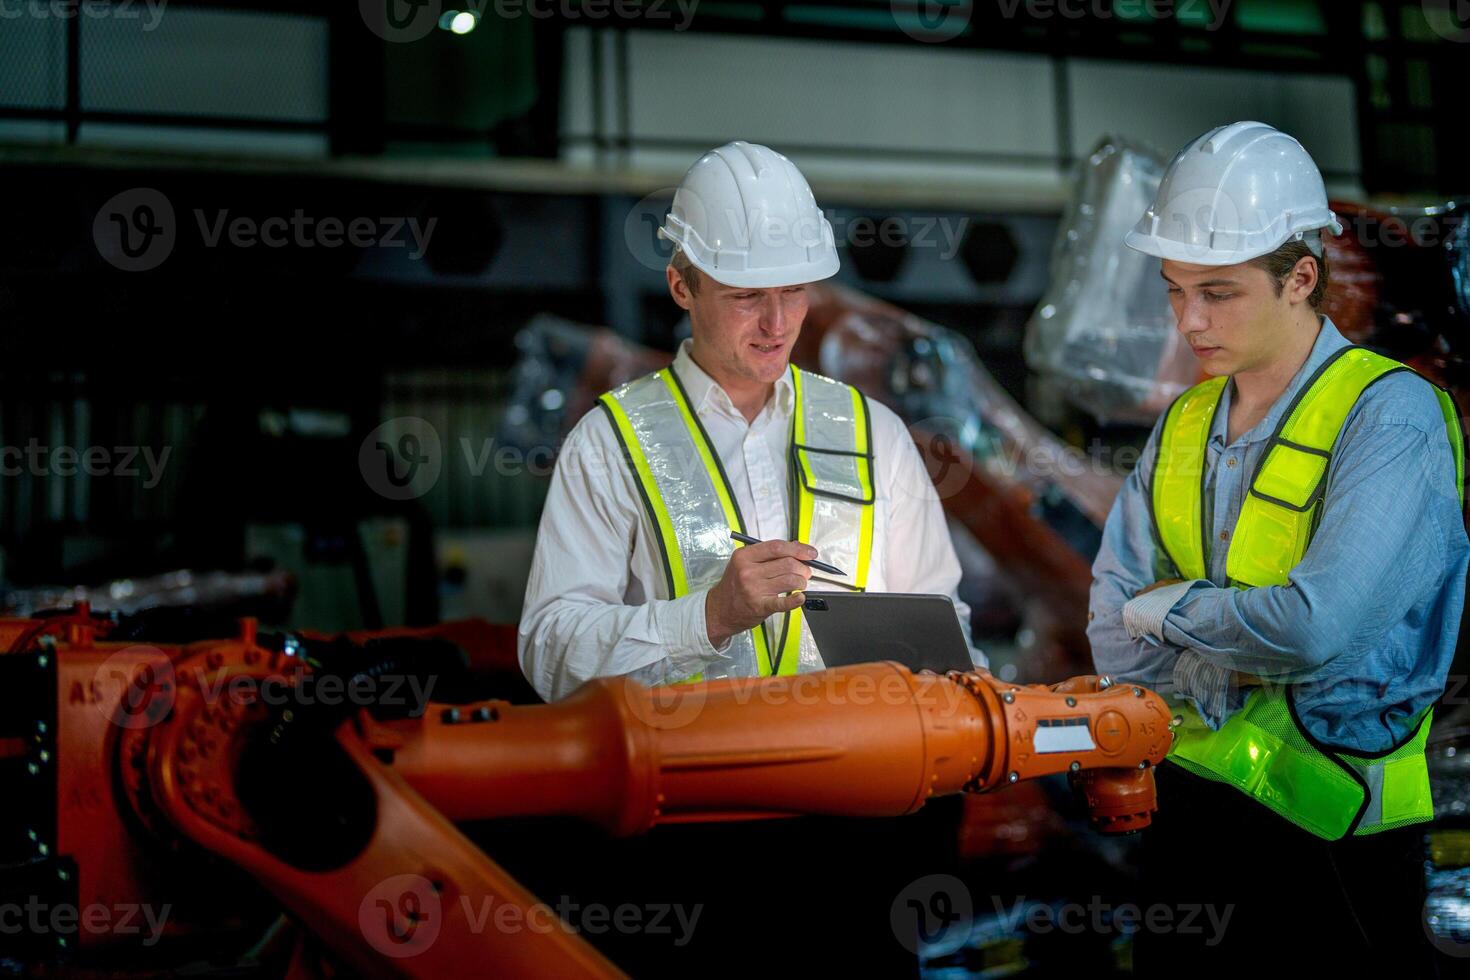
column 1329, row 341
column 703, row 389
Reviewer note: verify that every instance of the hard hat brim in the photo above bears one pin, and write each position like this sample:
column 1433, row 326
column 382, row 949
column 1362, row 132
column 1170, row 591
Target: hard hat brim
column 792, row 275
column 1176, row 251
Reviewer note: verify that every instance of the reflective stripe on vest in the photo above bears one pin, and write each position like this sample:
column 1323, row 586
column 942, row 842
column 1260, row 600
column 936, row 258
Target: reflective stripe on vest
column 691, row 507
column 1264, row 750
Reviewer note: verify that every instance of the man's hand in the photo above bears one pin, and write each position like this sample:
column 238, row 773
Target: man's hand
column 753, row 585
column 1158, row 585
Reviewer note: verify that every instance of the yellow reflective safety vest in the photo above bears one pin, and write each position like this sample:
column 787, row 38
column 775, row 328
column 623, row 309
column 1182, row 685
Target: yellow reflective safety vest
column 1264, row 750
column 691, row 507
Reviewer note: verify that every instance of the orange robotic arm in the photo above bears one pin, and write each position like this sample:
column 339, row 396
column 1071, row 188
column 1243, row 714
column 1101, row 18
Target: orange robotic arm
column 346, row 815
column 870, row 740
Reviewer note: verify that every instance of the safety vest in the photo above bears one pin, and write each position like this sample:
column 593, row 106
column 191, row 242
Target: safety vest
column 1264, row 750
column 691, row 507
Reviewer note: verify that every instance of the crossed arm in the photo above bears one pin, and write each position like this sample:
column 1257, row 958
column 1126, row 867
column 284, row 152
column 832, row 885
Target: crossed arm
column 1386, row 520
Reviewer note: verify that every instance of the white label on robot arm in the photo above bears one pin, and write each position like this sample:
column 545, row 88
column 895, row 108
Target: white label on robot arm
column 1063, row 735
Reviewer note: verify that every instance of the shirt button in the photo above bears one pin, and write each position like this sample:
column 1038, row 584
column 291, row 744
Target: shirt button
column 765, row 491
column 1224, row 535
column 1230, row 462
column 1091, row 615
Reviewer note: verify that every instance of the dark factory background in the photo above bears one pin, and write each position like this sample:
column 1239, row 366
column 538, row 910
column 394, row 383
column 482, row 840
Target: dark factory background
column 218, row 399
column 530, row 142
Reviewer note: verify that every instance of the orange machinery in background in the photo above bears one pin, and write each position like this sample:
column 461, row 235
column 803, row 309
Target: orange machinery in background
column 150, row 770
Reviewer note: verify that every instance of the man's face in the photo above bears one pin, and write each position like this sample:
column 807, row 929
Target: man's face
column 1230, row 315
column 742, row 332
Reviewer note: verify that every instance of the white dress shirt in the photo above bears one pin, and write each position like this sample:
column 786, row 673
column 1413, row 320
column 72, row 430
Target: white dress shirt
column 588, row 611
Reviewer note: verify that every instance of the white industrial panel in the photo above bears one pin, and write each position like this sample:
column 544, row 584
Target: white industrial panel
column 708, row 89
column 208, row 62
column 1167, row 105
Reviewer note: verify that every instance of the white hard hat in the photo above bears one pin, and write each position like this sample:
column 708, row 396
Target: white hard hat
column 745, row 216
column 1235, row 194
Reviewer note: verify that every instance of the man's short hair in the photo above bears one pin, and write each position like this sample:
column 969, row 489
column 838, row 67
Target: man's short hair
column 1278, row 266
column 686, row 270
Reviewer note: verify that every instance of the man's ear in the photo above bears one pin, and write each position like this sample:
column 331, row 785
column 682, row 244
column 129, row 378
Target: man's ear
column 678, row 288
column 1302, row 280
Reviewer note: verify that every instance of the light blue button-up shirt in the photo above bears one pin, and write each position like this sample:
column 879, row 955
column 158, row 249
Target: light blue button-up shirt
column 1367, row 625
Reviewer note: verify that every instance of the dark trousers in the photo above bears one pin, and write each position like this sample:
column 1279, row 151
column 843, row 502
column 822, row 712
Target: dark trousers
column 1293, row 900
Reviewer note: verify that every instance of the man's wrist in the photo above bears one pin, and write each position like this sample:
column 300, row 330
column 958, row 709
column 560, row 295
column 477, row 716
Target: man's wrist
column 683, row 636
column 1144, row 614
column 714, row 630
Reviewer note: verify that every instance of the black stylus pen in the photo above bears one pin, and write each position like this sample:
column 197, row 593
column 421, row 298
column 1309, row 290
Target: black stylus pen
column 820, row 566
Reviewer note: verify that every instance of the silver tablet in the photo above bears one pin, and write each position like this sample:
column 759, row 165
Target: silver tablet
column 919, row 631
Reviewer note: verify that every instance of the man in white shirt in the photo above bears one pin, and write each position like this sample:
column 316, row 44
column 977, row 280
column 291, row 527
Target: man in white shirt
column 635, row 571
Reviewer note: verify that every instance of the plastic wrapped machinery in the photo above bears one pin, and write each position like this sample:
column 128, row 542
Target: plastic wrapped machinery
column 1104, row 330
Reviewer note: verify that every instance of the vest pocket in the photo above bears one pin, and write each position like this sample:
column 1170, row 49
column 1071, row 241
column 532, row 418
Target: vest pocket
column 835, row 473
column 1291, row 475
column 1270, row 539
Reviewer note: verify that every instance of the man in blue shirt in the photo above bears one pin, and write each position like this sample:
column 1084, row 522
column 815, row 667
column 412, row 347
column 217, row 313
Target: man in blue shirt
column 1324, row 669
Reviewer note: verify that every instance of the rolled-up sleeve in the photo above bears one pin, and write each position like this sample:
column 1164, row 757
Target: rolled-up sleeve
column 576, row 624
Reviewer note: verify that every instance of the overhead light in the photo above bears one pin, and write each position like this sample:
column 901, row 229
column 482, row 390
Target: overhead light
column 458, row 21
